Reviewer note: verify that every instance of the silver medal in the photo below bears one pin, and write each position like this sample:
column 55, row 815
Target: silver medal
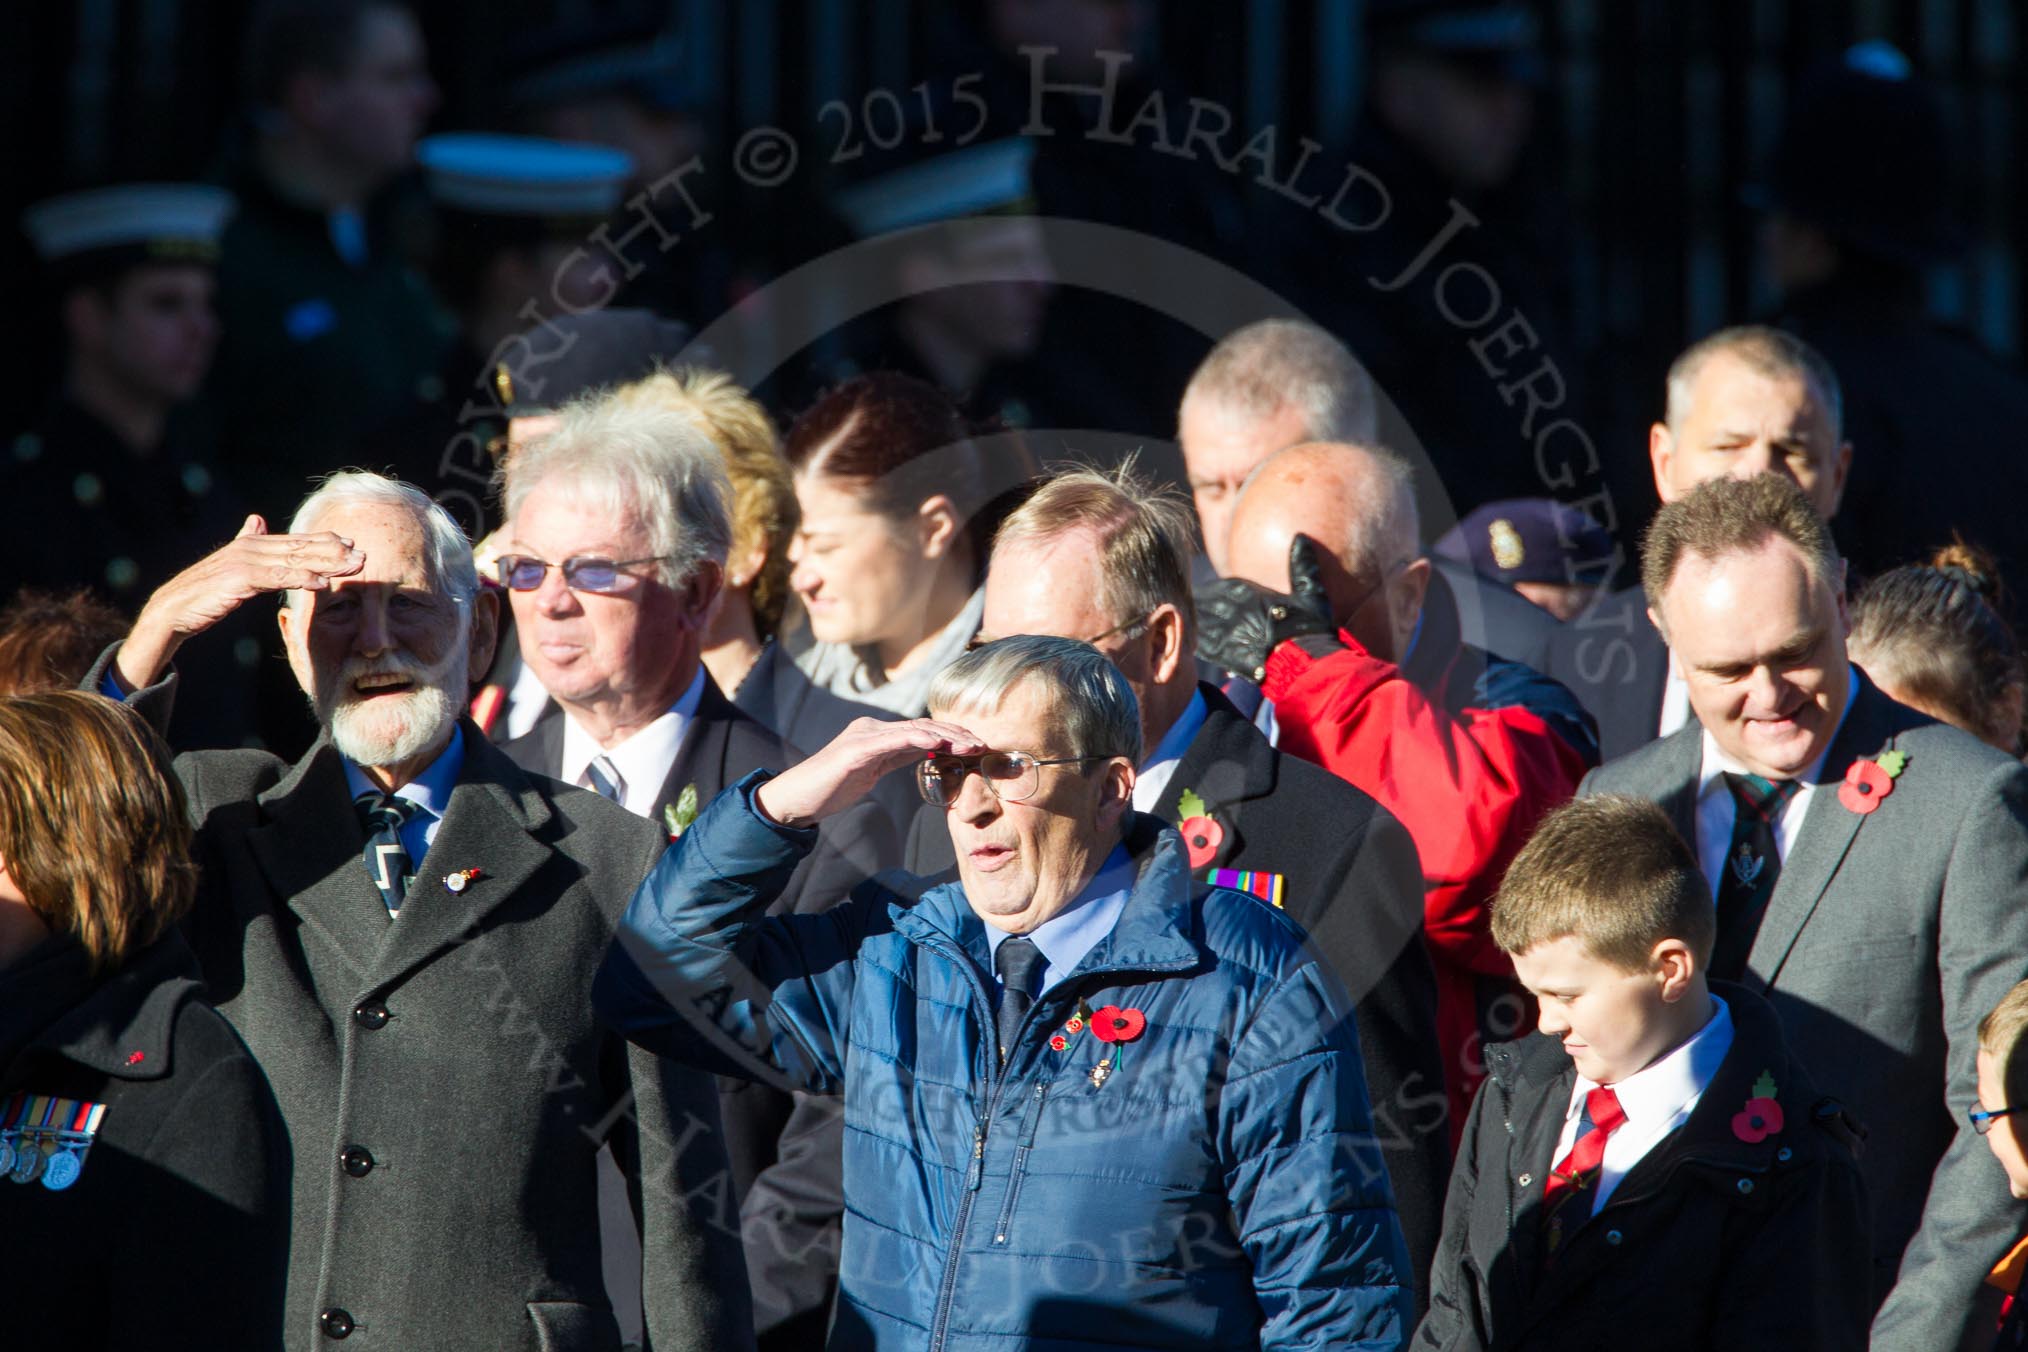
column 6, row 1151
column 28, row 1159
column 62, row 1170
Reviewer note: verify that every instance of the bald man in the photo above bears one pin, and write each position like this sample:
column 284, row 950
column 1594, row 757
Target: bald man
column 1356, row 641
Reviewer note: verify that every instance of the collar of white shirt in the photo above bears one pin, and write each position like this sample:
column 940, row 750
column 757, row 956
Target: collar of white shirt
column 1158, row 769
column 1717, row 811
column 643, row 760
column 1657, row 1099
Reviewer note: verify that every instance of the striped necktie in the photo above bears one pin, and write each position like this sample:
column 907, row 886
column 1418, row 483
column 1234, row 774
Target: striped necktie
column 1576, row 1174
column 386, row 858
column 1753, row 862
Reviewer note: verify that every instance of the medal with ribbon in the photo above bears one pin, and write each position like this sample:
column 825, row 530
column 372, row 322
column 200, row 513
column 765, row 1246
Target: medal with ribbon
column 47, row 1138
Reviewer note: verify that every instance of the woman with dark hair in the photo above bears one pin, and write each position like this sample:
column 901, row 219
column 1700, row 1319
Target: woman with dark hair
column 898, row 503
column 143, row 1166
column 1933, row 637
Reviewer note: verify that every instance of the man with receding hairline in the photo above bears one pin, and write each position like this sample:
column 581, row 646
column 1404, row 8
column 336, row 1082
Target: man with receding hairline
column 1743, row 401
column 1358, row 644
column 1866, row 863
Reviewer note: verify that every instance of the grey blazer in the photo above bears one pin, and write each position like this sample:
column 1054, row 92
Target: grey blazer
column 1887, row 939
column 445, row 1085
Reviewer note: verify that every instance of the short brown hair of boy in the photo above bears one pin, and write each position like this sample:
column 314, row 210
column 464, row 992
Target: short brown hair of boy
column 93, row 824
column 2000, row 1037
column 1144, row 530
column 1727, row 516
column 1611, row 872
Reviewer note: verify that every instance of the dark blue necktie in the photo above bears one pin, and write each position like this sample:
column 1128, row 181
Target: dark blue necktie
column 387, row 861
column 1019, row 963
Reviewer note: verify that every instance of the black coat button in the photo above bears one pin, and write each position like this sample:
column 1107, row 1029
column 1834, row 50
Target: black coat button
column 372, row 1016
column 356, row 1161
column 335, row 1323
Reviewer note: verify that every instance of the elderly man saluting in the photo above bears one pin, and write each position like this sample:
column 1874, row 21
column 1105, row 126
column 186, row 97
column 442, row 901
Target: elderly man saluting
column 402, row 927
column 1089, row 1102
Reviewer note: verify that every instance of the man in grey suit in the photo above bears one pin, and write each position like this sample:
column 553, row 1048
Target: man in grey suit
column 1868, row 866
column 403, row 926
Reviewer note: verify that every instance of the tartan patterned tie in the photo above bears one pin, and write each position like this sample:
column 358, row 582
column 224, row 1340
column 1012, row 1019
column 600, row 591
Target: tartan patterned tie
column 386, row 858
column 1753, row 863
column 1576, row 1173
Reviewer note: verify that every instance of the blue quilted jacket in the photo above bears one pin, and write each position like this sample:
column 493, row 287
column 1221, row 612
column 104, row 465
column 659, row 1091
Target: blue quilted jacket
column 1219, row 1187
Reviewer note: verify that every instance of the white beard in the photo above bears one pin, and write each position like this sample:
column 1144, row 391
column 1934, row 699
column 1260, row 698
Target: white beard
column 389, row 729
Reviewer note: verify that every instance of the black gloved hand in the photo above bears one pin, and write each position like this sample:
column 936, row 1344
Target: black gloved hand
column 1239, row 623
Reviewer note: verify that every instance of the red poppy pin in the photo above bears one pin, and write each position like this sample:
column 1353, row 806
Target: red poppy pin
column 1113, row 1024
column 1762, row 1115
column 1202, row 834
column 1867, row 782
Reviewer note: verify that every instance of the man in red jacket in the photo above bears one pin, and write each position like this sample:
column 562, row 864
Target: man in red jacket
column 1356, row 641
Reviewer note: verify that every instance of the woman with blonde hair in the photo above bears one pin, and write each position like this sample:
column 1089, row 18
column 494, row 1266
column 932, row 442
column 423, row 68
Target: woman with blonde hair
column 741, row 650
column 143, row 1166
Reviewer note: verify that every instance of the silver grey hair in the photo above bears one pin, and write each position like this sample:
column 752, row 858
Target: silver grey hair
column 1089, row 696
column 1273, row 364
column 451, row 566
column 645, row 463
column 1767, row 351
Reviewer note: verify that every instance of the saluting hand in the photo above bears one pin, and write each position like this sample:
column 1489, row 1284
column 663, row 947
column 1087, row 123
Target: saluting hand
column 254, row 563
column 1239, row 622
column 846, row 770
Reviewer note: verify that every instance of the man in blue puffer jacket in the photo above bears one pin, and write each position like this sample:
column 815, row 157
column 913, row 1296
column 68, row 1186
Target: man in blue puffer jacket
column 1089, row 1102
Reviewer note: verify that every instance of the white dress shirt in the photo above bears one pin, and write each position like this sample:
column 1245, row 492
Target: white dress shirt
column 643, row 760
column 1675, row 701
column 1717, row 809
column 1158, row 769
column 1656, row 1100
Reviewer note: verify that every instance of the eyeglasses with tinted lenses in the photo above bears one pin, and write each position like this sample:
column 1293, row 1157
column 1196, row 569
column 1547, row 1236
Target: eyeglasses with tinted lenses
column 581, row 572
column 1010, row 776
column 1982, row 1119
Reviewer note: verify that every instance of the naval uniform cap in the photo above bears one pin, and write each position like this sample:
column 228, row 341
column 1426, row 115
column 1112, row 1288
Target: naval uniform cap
column 130, row 223
column 976, row 181
column 488, row 174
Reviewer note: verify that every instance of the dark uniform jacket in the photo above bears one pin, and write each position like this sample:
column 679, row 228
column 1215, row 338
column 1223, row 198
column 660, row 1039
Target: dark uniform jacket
column 1611, row 656
column 84, row 509
column 784, row 1150
column 1711, row 1242
column 445, row 1084
column 175, row 1232
column 316, row 351
column 1352, row 880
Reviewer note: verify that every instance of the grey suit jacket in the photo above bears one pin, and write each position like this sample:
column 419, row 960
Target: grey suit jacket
column 444, row 1082
column 1888, row 937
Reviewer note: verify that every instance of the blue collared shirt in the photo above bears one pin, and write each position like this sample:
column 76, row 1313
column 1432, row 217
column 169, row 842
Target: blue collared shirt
column 430, row 791
column 1075, row 930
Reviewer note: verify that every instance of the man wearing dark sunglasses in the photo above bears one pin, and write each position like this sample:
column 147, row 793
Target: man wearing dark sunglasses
column 1094, row 1103
column 617, row 532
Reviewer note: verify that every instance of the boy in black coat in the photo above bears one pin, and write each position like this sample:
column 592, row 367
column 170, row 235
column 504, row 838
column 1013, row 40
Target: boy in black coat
column 1652, row 1166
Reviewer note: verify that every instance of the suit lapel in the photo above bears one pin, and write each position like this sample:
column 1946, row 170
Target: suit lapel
column 1533, row 1153
column 1826, row 836
column 1226, row 764
column 310, row 847
column 1683, row 767
column 489, row 825
column 700, row 760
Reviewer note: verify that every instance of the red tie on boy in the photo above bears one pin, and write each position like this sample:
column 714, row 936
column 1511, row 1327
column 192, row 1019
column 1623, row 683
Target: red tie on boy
column 1575, row 1172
